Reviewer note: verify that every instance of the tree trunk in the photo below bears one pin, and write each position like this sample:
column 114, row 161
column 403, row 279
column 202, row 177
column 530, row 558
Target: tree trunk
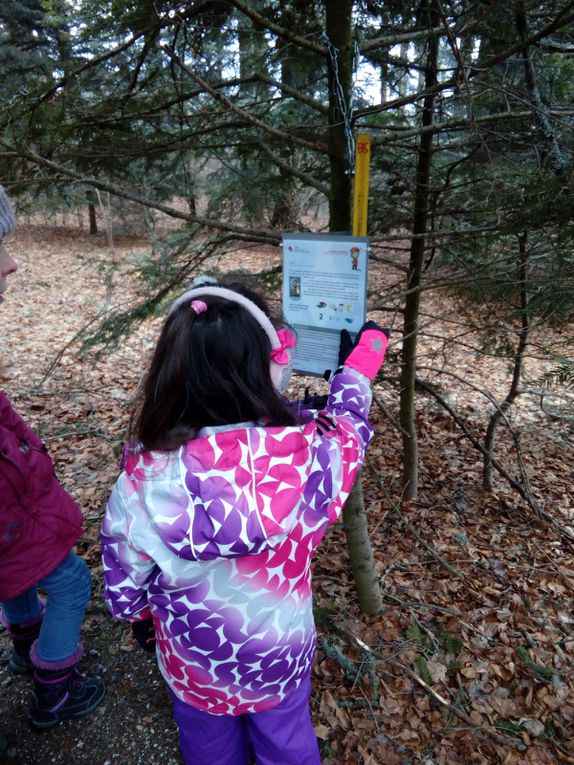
column 513, row 392
column 90, row 196
column 361, row 551
column 339, row 15
column 414, row 278
column 253, row 50
column 286, row 206
column 339, row 32
column 553, row 157
column 93, row 219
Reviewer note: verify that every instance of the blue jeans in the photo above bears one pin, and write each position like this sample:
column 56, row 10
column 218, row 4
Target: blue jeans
column 69, row 587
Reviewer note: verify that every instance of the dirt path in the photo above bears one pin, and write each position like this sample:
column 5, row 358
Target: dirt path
column 479, row 641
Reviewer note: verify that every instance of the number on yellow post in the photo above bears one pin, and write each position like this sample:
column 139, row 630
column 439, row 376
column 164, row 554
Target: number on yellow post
column 361, row 191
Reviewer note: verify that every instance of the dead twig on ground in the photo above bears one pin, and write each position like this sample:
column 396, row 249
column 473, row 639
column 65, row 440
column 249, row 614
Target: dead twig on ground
column 429, row 548
column 522, row 490
column 453, row 709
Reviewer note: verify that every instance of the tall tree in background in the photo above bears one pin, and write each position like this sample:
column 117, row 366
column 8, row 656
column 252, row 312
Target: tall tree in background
column 416, row 260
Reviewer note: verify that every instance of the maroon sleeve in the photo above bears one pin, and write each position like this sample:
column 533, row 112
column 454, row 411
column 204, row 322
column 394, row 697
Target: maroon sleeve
column 11, row 420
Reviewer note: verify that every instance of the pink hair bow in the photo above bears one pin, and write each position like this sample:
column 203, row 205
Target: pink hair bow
column 199, row 306
column 287, row 340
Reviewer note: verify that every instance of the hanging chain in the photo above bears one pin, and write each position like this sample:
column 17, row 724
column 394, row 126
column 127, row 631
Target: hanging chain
column 345, row 109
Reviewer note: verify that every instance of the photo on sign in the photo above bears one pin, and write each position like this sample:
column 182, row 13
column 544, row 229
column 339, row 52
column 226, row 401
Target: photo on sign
column 294, row 287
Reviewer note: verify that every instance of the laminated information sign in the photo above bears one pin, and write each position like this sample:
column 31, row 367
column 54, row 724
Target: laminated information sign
column 324, row 291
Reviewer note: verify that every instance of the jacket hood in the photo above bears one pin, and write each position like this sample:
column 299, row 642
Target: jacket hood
column 225, row 494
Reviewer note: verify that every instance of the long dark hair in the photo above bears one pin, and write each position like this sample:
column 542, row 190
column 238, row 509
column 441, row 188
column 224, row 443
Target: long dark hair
column 207, row 369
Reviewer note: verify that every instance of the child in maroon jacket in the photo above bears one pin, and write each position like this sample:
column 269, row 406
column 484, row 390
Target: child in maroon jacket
column 39, row 524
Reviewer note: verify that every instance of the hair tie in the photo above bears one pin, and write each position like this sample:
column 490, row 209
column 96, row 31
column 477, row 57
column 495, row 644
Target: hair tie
column 199, row 306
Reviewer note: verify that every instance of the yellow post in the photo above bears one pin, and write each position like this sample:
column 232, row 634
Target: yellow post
column 361, row 190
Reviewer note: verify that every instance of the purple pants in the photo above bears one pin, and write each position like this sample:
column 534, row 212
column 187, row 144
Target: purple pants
column 283, row 735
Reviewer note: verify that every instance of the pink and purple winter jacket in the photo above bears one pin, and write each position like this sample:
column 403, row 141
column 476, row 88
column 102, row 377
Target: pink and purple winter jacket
column 215, row 539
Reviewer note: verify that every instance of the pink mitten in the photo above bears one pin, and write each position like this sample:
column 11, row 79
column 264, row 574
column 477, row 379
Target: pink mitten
column 368, row 352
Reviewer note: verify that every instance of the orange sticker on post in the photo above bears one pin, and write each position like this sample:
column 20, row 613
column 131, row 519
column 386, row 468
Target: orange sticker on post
column 361, row 190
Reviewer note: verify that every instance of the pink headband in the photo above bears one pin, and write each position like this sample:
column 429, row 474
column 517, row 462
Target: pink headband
column 234, row 297
column 280, row 340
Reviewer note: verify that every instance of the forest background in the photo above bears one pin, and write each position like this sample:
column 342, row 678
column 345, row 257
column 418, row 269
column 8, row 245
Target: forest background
column 162, row 140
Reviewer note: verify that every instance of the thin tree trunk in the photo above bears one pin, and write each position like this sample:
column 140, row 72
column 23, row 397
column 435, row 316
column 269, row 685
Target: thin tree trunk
column 338, row 25
column 361, row 551
column 91, row 197
column 414, row 279
column 285, row 213
column 513, row 392
column 253, row 47
column 93, row 219
column 556, row 162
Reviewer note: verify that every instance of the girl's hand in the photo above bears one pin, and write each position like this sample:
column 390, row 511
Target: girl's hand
column 367, row 353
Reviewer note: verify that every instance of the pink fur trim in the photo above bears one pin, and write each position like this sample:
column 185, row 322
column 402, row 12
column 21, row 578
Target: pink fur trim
column 60, row 664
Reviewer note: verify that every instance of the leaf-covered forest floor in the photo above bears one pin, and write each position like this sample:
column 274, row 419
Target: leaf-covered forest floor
column 472, row 658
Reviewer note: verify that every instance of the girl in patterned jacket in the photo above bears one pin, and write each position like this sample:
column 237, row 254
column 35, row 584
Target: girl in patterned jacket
column 210, row 529
column 39, row 525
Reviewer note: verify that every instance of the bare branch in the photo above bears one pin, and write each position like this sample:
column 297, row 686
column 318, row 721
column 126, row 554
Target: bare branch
column 385, row 42
column 565, row 16
column 249, row 118
column 445, row 127
column 255, row 235
column 305, row 177
column 516, row 485
column 428, row 547
column 278, row 30
column 505, row 741
column 292, row 93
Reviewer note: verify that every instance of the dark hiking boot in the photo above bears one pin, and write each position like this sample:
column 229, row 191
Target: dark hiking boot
column 64, row 693
column 19, row 664
column 23, row 635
